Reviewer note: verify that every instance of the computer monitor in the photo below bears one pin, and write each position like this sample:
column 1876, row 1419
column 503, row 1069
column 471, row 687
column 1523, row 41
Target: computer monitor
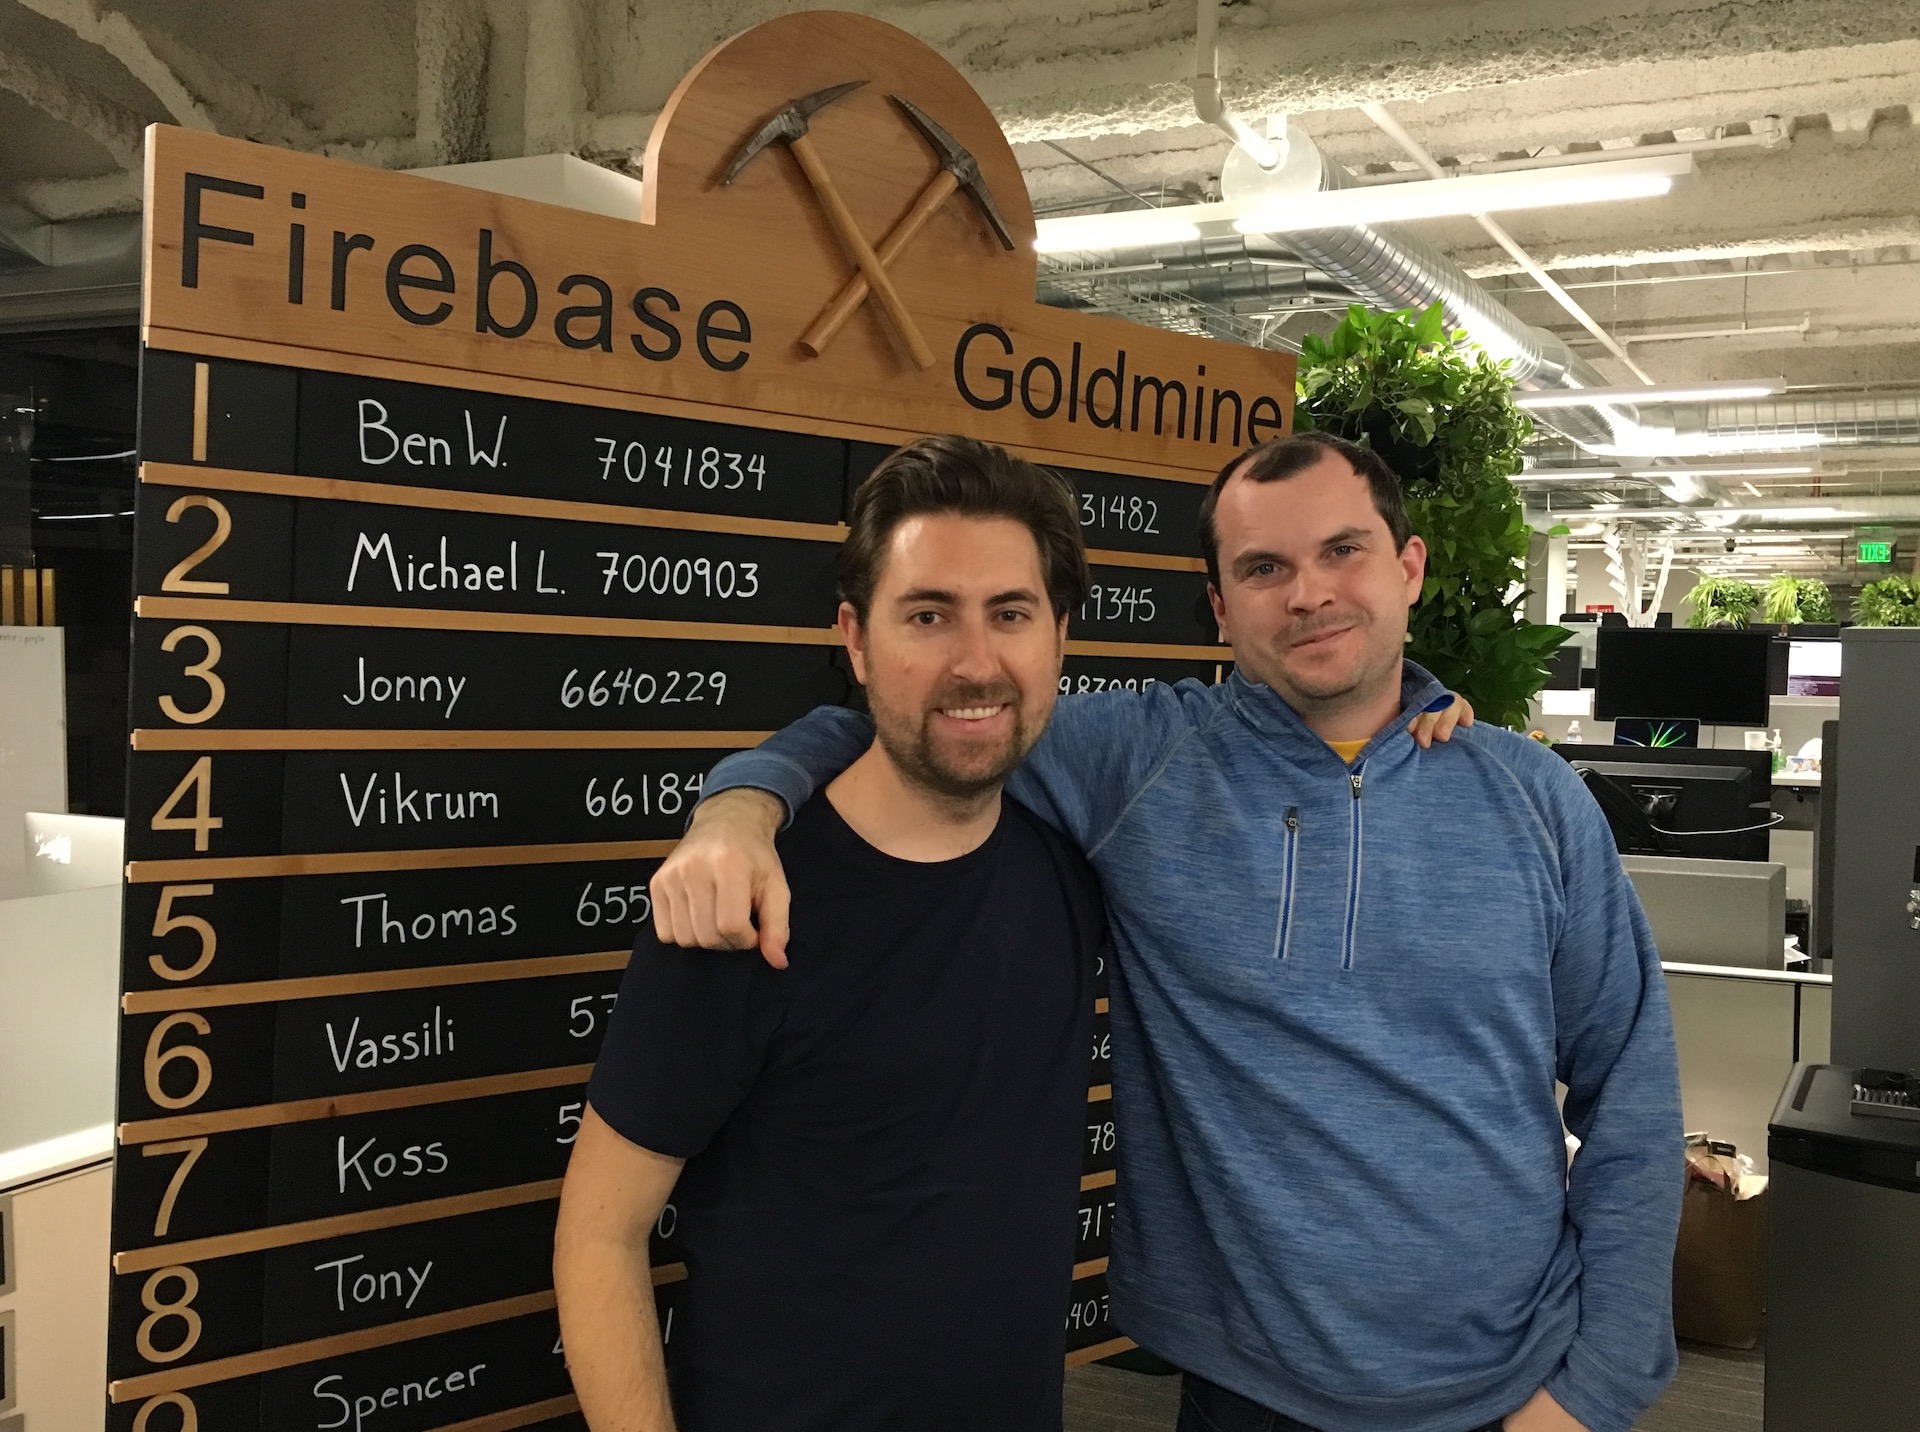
column 1579, row 619
column 1718, row 678
column 1777, row 666
column 1563, row 669
column 1711, row 804
column 1644, row 731
column 1813, row 668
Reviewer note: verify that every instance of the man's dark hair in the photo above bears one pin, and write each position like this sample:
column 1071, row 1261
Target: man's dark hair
column 1280, row 458
column 952, row 474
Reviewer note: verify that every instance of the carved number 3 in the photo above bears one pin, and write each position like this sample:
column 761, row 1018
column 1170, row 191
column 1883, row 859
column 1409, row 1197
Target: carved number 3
column 202, row 669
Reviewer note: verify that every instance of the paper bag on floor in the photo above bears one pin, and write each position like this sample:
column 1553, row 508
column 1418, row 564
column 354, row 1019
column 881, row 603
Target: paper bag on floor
column 1720, row 1263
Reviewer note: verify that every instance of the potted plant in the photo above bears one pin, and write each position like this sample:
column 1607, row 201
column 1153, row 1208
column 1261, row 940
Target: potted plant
column 1889, row 602
column 1790, row 600
column 1442, row 416
column 1722, row 601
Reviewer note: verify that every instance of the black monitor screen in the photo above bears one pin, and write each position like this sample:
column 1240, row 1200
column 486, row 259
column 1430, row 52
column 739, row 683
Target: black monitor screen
column 1718, row 678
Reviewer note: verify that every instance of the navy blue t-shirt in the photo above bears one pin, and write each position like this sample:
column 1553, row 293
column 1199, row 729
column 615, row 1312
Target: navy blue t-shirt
column 883, row 1140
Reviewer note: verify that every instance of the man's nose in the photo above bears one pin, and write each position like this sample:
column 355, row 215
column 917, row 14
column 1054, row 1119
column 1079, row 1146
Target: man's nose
column 974, row 657
column 1310, row 591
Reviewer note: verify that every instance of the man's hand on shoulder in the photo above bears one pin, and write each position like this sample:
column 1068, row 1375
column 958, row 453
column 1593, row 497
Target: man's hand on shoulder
column 723, row 873
column 1543, row 1414
column 1438, row 724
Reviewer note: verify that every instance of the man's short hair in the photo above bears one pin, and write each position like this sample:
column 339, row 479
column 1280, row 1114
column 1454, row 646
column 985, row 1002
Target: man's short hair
column 952, row 474
column 1280, row 458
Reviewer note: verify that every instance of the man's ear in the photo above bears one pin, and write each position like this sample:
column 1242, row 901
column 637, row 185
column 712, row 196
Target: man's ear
column 854, row 635
column 1413, row 566
column 1219, row 611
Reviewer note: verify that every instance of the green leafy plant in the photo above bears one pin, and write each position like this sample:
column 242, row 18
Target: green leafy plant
column 1816, row 602
column 1443, row 418
column 1889, row 602
column 1780, row 601
column 1796, row 599
column 1718, row 600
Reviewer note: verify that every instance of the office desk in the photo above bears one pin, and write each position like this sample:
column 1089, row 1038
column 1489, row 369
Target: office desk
column 1739, row 1033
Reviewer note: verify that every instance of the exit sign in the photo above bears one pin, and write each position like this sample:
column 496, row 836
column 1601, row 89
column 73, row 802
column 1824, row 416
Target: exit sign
column 1876, row 552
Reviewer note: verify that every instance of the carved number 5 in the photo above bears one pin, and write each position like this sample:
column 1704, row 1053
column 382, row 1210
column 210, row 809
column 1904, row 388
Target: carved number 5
column 203, row 669
column 165, row 922
column 177, row 579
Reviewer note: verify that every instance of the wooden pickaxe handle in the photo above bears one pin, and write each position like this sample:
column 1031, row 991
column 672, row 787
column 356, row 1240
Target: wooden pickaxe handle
column 835, row 315
column 856, row 243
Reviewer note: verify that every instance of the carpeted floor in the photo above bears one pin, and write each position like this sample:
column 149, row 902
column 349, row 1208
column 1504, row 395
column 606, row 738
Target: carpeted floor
column 1715, row 1391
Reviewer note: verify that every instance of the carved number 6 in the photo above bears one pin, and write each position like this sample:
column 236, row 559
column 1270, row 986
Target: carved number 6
column 158, row 1059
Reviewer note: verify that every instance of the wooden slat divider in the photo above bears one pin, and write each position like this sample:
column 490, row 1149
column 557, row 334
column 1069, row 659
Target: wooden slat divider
column 368, row 862
column 158, row 1001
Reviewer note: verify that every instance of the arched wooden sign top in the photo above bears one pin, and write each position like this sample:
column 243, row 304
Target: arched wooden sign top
column 702, row 304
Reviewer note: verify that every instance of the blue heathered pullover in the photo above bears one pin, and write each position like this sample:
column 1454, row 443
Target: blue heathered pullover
column 1342, row 998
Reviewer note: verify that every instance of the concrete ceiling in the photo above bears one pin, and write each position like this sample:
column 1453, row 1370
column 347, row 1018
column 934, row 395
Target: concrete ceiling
column 1793, row 250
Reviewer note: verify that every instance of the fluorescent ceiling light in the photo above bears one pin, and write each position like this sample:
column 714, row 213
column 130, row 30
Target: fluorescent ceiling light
column 1653, row 443
column 1725, row 392
column 1474, row 194
column 1788, row 471
column 1130, row 229
column 1382, row 204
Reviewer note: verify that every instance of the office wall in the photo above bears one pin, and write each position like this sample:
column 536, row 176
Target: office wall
column 33, row 740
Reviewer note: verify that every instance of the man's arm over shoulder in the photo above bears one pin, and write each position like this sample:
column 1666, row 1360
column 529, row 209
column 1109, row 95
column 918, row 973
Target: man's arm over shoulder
column 1099, row 749
column 1615, row 1052
column 1077, row 772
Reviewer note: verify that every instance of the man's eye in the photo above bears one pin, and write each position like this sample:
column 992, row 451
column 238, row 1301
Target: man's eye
column 1013, row 615
column 1262, row 569
column 924, row 618
column 1345, row 550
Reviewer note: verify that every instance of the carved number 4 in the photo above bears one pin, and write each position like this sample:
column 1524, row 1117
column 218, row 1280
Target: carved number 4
column 198, row 780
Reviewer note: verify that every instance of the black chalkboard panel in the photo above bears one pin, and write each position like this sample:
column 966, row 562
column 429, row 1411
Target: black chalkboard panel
column 254, row 1109
column 275, row 927
column 402, row 800
column 347, row 552
column 413, row 435
column 1137, row 514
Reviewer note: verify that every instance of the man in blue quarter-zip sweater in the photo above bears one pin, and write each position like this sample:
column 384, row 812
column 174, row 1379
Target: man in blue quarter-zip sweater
column 1350, row 971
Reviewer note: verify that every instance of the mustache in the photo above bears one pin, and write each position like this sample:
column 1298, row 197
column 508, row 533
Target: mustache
column 998, row 694
column 1309, row 627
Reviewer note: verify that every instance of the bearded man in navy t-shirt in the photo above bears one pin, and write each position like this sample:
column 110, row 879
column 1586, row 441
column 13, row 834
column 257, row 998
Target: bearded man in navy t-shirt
column 875, row 1149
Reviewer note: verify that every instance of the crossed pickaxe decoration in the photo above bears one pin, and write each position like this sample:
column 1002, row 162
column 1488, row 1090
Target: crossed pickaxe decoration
column 958, row 171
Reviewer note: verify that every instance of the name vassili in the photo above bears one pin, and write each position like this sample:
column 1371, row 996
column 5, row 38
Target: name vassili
column 504, row 300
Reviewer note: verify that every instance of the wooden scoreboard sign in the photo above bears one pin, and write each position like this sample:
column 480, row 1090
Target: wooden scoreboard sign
column 471, row 533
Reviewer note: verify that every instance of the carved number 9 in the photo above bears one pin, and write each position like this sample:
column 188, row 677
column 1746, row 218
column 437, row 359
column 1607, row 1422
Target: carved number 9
column 158, row 1059
column 177, row 579
column 179, row 1401
column 159, row 1312
column 203, row 669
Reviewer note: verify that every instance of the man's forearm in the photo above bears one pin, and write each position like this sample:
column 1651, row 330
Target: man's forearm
column 612, row 1337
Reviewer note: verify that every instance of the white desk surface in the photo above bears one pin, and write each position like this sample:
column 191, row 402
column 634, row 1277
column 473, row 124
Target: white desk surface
column 1796, row 778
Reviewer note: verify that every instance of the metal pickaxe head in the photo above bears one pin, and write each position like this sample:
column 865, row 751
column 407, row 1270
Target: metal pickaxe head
column 955, row 159
column 787, row 126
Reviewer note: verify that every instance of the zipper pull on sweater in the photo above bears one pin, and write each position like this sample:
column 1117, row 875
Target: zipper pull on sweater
column 1353, row 779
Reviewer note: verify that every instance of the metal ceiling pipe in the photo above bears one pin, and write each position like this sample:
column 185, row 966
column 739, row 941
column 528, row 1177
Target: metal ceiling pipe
column 1207, row 100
